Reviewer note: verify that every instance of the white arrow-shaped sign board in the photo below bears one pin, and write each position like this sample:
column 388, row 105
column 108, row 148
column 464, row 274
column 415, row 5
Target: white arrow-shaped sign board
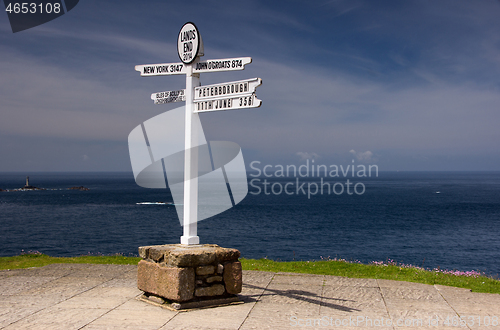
column 225, row 64
column 232, row 88
column 167, row 69
column 163, row 69
column 243, row 101
column 169, row 96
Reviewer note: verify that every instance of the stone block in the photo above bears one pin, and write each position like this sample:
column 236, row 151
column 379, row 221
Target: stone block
column 233, row 277
column 205, row 270
column 212, row 279
column 176, row 283
column 220, row 269
column 189, row 258
column 214, row 290
column 143, row 251
column 146, row 276
column 172, row 283
column 178, row 255
column 156, row 299
column 225, row 254
column 157, row 253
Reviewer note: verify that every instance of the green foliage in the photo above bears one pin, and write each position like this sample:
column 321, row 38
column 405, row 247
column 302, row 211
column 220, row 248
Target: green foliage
column 40, row 260
column 387, row 272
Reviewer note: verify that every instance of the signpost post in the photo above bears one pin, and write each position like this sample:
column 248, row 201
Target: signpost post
column 224, row 96
column 190, row 164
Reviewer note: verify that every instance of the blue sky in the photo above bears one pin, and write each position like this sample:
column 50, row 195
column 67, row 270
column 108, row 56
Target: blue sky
column 406, row 85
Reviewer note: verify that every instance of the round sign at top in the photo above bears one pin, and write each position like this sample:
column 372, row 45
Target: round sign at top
column 188, row 43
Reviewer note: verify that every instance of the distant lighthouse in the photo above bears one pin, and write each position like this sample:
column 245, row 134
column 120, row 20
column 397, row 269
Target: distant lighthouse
column 27, row 186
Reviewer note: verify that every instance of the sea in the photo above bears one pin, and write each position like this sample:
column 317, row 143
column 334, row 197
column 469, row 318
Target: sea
column 449, row 220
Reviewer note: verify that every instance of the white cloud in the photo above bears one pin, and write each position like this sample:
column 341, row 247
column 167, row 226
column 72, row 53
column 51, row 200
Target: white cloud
column 364, row 156
column 307, row 155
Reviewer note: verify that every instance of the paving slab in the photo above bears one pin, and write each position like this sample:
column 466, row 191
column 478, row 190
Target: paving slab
column 56, row 270
column 225, row 317
column 97, row 297
column 345, row 281
column 121, row 318
column 58, row 318
column 14, row 314
column 31, row 301
column 302, row 280
column 17, row 284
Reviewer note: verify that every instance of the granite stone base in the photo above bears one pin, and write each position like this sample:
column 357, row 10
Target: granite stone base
column 189, row 275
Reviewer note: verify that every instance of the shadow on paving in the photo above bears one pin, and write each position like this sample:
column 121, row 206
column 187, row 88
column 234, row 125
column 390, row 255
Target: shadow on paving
column 300, row 295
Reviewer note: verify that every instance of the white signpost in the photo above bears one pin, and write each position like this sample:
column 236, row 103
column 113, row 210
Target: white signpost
column 224, row 96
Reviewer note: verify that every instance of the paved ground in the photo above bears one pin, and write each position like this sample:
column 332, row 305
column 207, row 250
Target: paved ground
column 82, row 296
